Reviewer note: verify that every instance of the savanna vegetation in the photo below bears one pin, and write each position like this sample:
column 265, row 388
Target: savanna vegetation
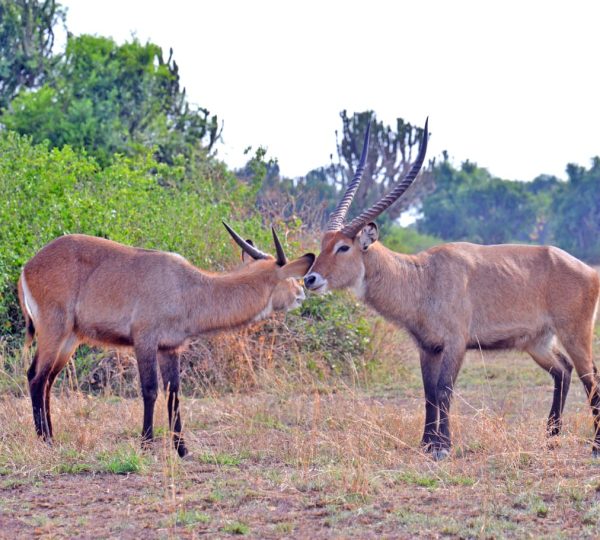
column 303, row 425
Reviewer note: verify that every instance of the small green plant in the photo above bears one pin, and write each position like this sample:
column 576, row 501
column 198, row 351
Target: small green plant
column 458, row 480
column 73, row 468
column 419, row 480
column 189, row 518
column 236, row 527
column 219, row 459
column 335, row 327
column 123, row 461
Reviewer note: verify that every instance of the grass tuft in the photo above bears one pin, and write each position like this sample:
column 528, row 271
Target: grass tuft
column 236, row 527
column 122, row 461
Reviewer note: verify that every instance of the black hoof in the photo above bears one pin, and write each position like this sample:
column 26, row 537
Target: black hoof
column 182, row 450
column 595, row 453
column 440, row 454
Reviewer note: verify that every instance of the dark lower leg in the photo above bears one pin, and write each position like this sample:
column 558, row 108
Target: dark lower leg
column 562, row 381
column 148, row 370
column 595, row 403
column 37, row 390
column 591, row 383
column 430, row 368
column 175, row 423
column 169, row 369
column 444, row 400
column 451, row 363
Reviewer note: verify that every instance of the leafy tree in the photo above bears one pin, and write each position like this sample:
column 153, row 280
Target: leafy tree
column 26, row 41
column 575, row 207
column 106, row 98
column 544, row 189
column 470, row 204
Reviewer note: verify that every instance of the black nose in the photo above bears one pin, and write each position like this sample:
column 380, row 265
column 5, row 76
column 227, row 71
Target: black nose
column 309, row 280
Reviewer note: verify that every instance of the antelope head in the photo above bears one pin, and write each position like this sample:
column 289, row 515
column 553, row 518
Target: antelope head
column 287, row 293
column 340, row 264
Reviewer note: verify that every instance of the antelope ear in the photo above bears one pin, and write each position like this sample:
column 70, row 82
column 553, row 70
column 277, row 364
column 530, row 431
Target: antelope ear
column 367, row 236
column 245, row 257
column 298, row 267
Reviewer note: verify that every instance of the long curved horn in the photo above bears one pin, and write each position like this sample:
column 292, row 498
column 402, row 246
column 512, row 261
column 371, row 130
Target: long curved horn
column 281, row 258
column 336, row 219
column 357, row 223
column 248, row 248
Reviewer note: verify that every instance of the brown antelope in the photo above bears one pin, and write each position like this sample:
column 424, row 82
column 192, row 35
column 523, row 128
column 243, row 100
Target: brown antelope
column 83, row 289
column 461, row 296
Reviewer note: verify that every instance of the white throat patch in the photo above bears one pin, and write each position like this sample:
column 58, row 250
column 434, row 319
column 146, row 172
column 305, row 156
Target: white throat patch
column 360, row 287
column 265, row 312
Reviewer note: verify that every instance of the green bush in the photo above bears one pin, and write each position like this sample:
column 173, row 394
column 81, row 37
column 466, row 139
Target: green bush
column 406, row 239
column 335, row 327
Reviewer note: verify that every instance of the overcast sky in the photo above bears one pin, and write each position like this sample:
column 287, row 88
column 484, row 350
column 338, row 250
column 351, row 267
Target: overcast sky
column 511, row 85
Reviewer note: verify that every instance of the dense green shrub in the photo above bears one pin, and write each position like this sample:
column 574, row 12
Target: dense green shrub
column 406, row 239
column 336, row 327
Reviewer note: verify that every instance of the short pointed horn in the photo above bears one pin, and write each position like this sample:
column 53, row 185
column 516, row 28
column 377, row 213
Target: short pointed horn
column 384, row 203
column 336, row 219
column 281, row 258
column 248, row 248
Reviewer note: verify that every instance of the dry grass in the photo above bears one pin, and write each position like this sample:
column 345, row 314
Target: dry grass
column 304, row 456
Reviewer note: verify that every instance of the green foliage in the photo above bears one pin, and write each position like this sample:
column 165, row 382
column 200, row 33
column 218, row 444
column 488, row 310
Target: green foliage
column 106, row 98
column 47, row 193
column 335, row 326
column 575, row 217
column 26, row 40
column 470, row 204
column 406, row 239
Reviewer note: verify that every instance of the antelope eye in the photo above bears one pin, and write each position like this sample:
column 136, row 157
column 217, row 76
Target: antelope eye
column 343, row 248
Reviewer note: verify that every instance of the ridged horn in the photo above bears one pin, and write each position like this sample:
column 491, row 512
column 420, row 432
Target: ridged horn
column 336, row 219
column 385, row 202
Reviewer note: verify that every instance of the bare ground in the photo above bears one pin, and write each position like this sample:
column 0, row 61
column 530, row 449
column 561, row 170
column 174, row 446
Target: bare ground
column 319, row 461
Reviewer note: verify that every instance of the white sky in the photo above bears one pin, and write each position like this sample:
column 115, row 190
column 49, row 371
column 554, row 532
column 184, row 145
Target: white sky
column 511, row 85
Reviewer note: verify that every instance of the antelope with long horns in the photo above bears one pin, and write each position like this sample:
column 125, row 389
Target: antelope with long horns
column 83, row 289
column 460, row 296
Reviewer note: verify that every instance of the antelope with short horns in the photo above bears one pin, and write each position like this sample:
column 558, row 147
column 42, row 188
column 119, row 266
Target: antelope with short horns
column 82, row 289
column 460, row 296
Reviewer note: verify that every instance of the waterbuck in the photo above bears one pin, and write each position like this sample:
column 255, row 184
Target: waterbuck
column 461, row 296
column 82, row 289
